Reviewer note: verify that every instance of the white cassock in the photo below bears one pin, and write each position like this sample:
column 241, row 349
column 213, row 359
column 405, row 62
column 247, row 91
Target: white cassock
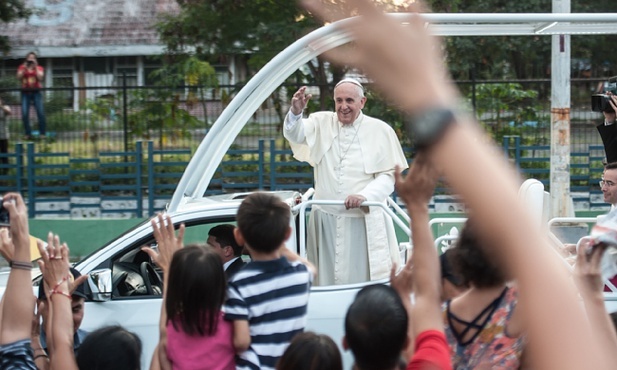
column 348, row 159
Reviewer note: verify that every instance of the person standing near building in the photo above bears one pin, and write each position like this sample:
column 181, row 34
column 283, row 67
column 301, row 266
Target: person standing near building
column 354, row 158
column 31, row 75
column 5, row 110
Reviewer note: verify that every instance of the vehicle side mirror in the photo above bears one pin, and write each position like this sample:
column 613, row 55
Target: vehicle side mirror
column 100, row 284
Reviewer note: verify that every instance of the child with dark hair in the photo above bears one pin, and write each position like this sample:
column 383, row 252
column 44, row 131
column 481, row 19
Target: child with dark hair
column 197, row 335
column 267, row 299
column 194, row 334
column 311, row 351
column 94, row 353
column 376, row 328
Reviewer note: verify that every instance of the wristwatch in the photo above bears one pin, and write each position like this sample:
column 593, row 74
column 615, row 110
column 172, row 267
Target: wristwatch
column 430, row 125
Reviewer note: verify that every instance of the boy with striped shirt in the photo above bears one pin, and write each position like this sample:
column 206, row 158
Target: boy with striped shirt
column 267, row 299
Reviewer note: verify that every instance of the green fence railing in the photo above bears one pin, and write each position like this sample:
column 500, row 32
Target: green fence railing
column 139, row 182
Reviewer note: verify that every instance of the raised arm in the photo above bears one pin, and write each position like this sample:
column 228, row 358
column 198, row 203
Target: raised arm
column 416, row 190
column 54, row 265
column 168, row 243
column 18, row 301
column 406, row 63
column 588, row 277
column 610, row 117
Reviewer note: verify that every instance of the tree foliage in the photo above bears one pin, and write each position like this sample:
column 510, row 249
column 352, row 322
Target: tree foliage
column 522, row 57
column 11, row 10
column 255, row 29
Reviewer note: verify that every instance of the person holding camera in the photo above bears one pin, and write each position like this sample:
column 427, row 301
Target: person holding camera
column 608, row 129
column 31, row 75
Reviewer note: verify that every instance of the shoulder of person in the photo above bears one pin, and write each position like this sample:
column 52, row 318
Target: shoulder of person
column 322, row 115
column 377, row 122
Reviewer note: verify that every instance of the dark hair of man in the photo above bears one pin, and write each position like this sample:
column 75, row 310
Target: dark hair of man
column 610, row 166
column 31, row 53
column 110, row 348
column 196, row 290
column 376, row 327
column 263, row 220
column 224, row 235
column 310, row 351
column 471, row 263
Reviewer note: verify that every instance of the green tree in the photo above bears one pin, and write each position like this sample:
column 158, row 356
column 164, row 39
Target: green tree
column 256, row 30
column 522, row 57
column 164, row 110
column 11, row 10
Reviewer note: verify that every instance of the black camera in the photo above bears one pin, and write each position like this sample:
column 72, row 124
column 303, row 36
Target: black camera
column 601, row 102
column 5, row 219
column 29, row 63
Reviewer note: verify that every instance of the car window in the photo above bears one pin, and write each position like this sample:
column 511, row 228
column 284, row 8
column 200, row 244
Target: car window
column 134, row 274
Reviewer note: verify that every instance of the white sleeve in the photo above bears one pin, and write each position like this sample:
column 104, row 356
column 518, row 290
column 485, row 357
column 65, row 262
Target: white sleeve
column 293, row 131
column 380, row 188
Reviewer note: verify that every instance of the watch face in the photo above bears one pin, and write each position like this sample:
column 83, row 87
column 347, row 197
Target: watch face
column 429, row 126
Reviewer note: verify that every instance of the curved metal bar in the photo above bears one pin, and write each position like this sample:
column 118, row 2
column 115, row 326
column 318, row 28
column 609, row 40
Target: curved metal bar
column 563, row 220
column 446, row 220
column 398, row 209
column 301, row 208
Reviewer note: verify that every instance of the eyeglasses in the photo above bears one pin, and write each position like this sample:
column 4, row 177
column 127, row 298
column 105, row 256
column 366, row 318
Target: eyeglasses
column 610, row 184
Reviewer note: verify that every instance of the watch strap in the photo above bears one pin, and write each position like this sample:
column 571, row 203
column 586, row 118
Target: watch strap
column 428, row 127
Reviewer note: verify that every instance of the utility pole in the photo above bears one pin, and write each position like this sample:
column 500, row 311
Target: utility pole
column 561, row 205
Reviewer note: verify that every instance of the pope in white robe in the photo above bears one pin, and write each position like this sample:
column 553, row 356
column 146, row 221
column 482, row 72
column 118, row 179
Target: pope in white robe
column 354, row 158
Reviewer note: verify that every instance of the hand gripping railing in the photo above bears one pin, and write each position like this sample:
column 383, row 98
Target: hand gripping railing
column 301, row 208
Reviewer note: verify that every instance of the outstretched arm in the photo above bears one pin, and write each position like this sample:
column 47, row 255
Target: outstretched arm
column 54, row 265
column 588, row 278
column 406, row 63
column 168, row 243
column 416, row 189
column 17, row 302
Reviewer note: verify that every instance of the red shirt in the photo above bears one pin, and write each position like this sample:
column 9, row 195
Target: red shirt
column 28, row 79
column 432, row 352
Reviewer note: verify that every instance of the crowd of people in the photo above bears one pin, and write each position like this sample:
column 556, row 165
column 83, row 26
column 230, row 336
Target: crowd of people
column 510, row 304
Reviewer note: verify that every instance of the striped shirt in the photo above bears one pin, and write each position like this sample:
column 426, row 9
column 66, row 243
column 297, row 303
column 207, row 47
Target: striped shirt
column 272, row 296
column 17, row 356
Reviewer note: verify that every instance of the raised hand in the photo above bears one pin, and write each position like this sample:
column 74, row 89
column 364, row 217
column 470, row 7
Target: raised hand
column 299, row 100
column 418, row 186
column 54, row 265
column 15, row 241
column 587, row 271
column 168, row 242
column 403, row 282
column 611, row 116
column 406, row 62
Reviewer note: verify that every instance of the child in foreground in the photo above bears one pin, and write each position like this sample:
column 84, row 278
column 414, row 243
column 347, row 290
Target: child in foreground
column 267, row 299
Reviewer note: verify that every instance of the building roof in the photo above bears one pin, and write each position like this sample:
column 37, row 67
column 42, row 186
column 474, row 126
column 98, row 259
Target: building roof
column 69, row 28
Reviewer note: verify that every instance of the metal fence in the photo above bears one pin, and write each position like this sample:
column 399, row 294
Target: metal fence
column 86, row 121
column 139, row 182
